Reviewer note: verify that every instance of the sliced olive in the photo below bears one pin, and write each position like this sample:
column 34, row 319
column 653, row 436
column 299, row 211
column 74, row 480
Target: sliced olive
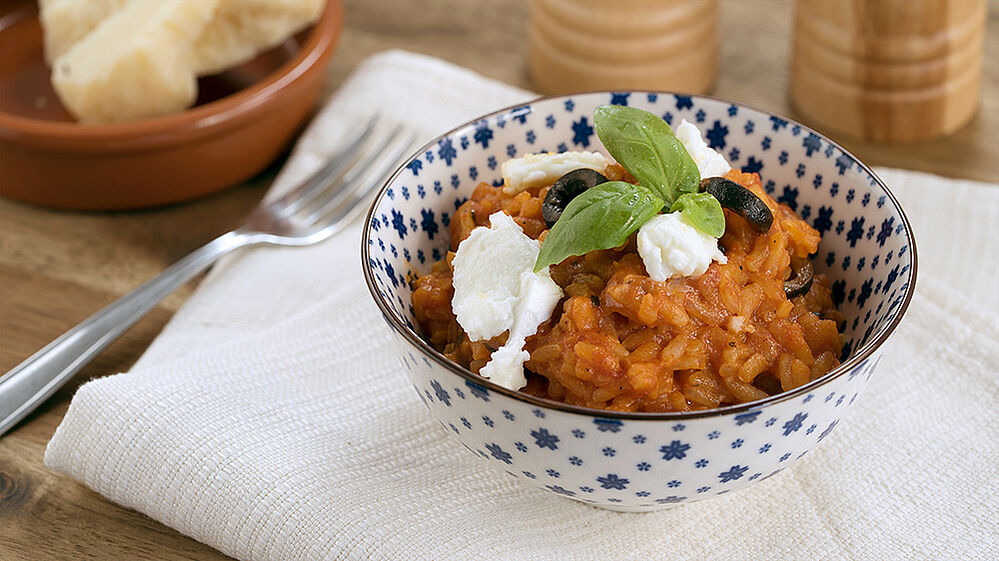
column 566, row 188
column 740, row 200
column 801, row 277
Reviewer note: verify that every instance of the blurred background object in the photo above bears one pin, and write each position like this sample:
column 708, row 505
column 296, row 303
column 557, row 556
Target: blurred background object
column 888, row 70
column 582, row 45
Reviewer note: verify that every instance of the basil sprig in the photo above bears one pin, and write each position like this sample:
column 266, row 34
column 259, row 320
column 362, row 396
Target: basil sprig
column 646, row 146
column 601, row 217
column 606, row 215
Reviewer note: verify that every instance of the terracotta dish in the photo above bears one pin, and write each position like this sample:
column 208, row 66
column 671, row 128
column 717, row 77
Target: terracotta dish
column 243, row 119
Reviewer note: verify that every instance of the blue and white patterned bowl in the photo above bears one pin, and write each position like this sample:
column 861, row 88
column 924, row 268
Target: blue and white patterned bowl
column 645, row 461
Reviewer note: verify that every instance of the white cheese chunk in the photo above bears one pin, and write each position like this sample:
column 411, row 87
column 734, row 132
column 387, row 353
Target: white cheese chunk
column 496, row 289
column 65, row 22
column 537, row 170
column 671, row 246
column 243, row 28
column 709, row 161
column 239, row 30
column 135, row 63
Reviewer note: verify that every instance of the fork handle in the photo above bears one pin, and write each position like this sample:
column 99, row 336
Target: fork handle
column 30, row 383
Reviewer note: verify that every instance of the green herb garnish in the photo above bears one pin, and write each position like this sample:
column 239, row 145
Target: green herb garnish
column 605, row 216
column 645, row 145
column 601, row 217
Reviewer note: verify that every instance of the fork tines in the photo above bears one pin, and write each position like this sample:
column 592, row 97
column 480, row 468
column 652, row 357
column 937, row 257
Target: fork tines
column 333, row 195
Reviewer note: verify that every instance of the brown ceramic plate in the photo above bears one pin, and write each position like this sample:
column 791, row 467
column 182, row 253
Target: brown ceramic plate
column 243, row 120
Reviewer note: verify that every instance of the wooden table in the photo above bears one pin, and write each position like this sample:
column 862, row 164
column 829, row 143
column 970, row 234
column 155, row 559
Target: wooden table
column 56, row 268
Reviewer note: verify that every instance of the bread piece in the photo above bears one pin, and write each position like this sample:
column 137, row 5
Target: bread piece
column 243, row 28
column 136, row 63
column 67, row 21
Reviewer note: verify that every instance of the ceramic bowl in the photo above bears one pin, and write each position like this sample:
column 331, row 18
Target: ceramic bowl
column 243, row 120
column 645, row 461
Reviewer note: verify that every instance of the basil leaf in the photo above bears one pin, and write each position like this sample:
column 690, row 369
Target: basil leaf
column 601, row 217
column 703, row 210
column 646, row 146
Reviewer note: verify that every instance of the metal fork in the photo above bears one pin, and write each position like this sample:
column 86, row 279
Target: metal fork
column 309, row 213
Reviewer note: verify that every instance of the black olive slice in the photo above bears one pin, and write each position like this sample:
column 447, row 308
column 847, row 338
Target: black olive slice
column 801, row 277
column 740, row 200
column 566, row 188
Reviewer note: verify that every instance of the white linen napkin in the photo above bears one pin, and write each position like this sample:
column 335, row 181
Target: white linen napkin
column 269, row 420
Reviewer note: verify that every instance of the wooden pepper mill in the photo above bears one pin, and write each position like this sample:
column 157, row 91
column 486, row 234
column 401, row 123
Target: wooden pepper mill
column 888, row 70
column 583, row 45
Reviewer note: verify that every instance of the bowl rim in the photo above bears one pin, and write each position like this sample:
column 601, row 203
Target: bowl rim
column 192, row 123
column 860, row 355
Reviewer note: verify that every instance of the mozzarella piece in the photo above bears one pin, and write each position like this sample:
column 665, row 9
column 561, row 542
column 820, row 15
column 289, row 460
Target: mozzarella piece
column 244, row 28
column 671, row 246
column 538, row 297
column 710, row 163
column 496, row 290
column 538, row 170
column 135, row 63
column 67, row 21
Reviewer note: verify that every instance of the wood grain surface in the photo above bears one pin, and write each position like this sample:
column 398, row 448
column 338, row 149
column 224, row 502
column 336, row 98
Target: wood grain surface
column 56, row 268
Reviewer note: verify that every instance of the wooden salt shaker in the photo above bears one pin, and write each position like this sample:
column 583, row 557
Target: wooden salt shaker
column 888, row 70
column 582, row 45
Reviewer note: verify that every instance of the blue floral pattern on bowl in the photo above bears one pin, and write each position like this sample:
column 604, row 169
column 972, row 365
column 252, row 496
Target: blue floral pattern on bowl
column 645, row 461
